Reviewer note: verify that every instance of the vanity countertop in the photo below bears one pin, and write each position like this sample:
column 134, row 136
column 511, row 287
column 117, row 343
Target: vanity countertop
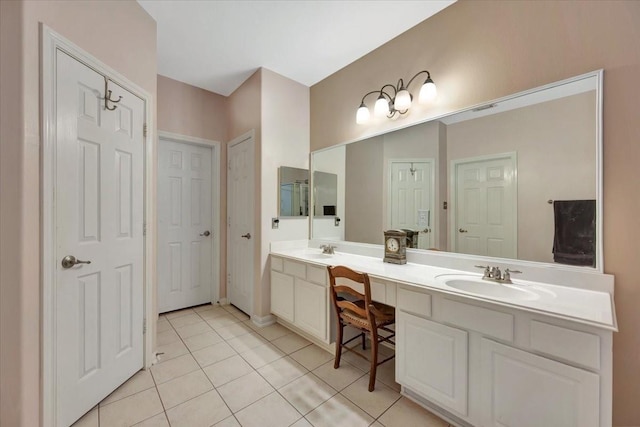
column 579, row 305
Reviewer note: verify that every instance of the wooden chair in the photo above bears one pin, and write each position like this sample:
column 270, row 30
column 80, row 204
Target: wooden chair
column 357, row 310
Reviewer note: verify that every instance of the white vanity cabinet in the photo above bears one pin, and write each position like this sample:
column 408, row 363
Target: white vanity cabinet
column 299, row 295
column 493, row 366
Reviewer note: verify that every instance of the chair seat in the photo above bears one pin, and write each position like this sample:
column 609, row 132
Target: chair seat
column 388, row 317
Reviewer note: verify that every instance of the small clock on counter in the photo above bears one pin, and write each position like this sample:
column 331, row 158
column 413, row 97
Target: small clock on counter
column 395, row 246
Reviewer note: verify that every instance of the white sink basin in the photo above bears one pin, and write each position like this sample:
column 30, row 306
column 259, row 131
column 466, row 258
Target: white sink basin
column 318, row 255
column 477, row 286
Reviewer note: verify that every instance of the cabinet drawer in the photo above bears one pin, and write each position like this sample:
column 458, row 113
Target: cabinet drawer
column 276, row 263
column 295, row 269
column 575, row 346
column 414, row 302
column 378, row 291
column 480, row 319
column 317, row 274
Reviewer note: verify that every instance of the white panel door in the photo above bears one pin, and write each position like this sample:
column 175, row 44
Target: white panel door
column 240, row 218
column 432, row 360
column 411, row 192
column 185, row 233
column 485, row 208
column 99, row 218
column 524, row 390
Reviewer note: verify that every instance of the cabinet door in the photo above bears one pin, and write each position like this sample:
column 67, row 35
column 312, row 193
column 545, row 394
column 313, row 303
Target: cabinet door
column 282, row 295
column 520, row 389
column 311, row 308
column 431, row 359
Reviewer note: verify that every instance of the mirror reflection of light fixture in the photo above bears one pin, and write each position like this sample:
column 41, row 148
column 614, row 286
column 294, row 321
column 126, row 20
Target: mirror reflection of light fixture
column 397, row 99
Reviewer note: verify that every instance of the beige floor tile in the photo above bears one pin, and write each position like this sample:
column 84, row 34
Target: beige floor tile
column 204, row 410
column 228, row 422
column 205, row 307
column 311, row 356
column 163, row 325
column 131, row 410
column 233, row 330
column 171, row 351
column 270, row 411
column 246, row 342
column 387, row 374
column 214, row 353
column 360, row 363
column 90, row 419
column 159, row 420
column 245, row 390
column 376, row 424
column 213, row 313
column 188, row 319
column 167, row 337
column 222, row 321
column 199, row 341
column 307, row 393
column 231, row 309
column 178, row 313
column 193, row 329
column 338, row 378
column 290, row 343
column 241, row 316
column 374, row 403
column 173, row 368
column 339, row 411
column 272, row 332
column 183, row 388
column 227, row 370
column 141, row 381
column 406, row 413
column 282, row 372
column 262, row 355
column 302, row 422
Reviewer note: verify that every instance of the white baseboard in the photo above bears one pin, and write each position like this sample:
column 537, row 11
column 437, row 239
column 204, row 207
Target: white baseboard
column 264, row 320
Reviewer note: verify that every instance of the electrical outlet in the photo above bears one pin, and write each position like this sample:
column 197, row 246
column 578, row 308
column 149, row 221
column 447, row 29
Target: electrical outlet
column 275, row 222
column 336, row 222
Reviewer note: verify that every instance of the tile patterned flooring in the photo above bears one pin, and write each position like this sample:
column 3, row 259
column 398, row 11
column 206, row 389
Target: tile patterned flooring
column 219, row 369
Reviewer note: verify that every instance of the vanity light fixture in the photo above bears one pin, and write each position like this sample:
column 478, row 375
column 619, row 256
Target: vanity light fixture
column 397, row 99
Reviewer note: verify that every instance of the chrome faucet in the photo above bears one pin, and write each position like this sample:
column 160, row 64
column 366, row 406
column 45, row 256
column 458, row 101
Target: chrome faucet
column 328, row 249
column 494, row 274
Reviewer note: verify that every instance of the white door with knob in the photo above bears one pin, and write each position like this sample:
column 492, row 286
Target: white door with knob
column 485, row 206
column 411, row 198
column 185, row 233
column 99, row 243
column 240, row 219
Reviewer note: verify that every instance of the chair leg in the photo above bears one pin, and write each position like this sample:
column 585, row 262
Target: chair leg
column 364, row 341
column 374, row 360
column 336, row 363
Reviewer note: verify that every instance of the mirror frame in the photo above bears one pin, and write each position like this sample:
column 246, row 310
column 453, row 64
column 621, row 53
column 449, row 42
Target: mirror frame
column 599, row 267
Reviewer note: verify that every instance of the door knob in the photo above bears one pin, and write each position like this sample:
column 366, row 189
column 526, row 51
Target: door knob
column 69, row 261
column 462, row 230
column 206, row 233
column 246, row 236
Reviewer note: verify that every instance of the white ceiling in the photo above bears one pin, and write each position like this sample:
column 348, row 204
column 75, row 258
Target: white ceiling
column 217, row 45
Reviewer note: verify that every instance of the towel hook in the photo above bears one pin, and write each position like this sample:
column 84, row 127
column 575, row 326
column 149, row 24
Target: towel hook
column 107, row 96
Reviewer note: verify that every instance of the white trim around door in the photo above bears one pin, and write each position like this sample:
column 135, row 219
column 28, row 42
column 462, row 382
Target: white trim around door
column 50, row 43
column 215, row 200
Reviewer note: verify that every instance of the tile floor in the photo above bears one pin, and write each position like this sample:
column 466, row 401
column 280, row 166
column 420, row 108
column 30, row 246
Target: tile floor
column 219, row 369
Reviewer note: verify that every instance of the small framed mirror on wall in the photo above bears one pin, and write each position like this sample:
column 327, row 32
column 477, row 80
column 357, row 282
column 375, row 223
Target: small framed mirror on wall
column 293, row 192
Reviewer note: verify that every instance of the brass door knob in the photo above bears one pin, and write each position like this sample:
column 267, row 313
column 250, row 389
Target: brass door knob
column 246, row 236
column 462, row 230
column 69, row 261
column 206, row 233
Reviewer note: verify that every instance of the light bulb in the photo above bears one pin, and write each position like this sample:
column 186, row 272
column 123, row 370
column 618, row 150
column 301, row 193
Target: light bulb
column 403, row 100
column 362, row 116
column 428, row 92
column 381, row 108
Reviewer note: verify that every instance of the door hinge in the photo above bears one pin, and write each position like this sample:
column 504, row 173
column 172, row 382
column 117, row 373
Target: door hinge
column 144, row 228
column 229, row 164
column 144, row 130
column 144, row 326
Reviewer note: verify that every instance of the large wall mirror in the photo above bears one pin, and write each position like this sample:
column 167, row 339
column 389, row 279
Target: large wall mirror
column 293, row 194
column 519, row 177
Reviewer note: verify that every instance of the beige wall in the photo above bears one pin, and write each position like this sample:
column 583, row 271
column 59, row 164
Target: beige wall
column 188, row 110
column 555, row 160
column 478, row 51
column 129, row 48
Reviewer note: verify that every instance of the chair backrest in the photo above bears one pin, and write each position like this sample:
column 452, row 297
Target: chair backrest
column 340, row 304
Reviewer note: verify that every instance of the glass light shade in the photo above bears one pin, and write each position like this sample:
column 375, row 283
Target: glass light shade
column 403, row 100
column 428, row 92
column 362, row 116
column 381, row 108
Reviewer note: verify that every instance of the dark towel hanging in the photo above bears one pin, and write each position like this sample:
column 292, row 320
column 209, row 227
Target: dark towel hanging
column 574, row 240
